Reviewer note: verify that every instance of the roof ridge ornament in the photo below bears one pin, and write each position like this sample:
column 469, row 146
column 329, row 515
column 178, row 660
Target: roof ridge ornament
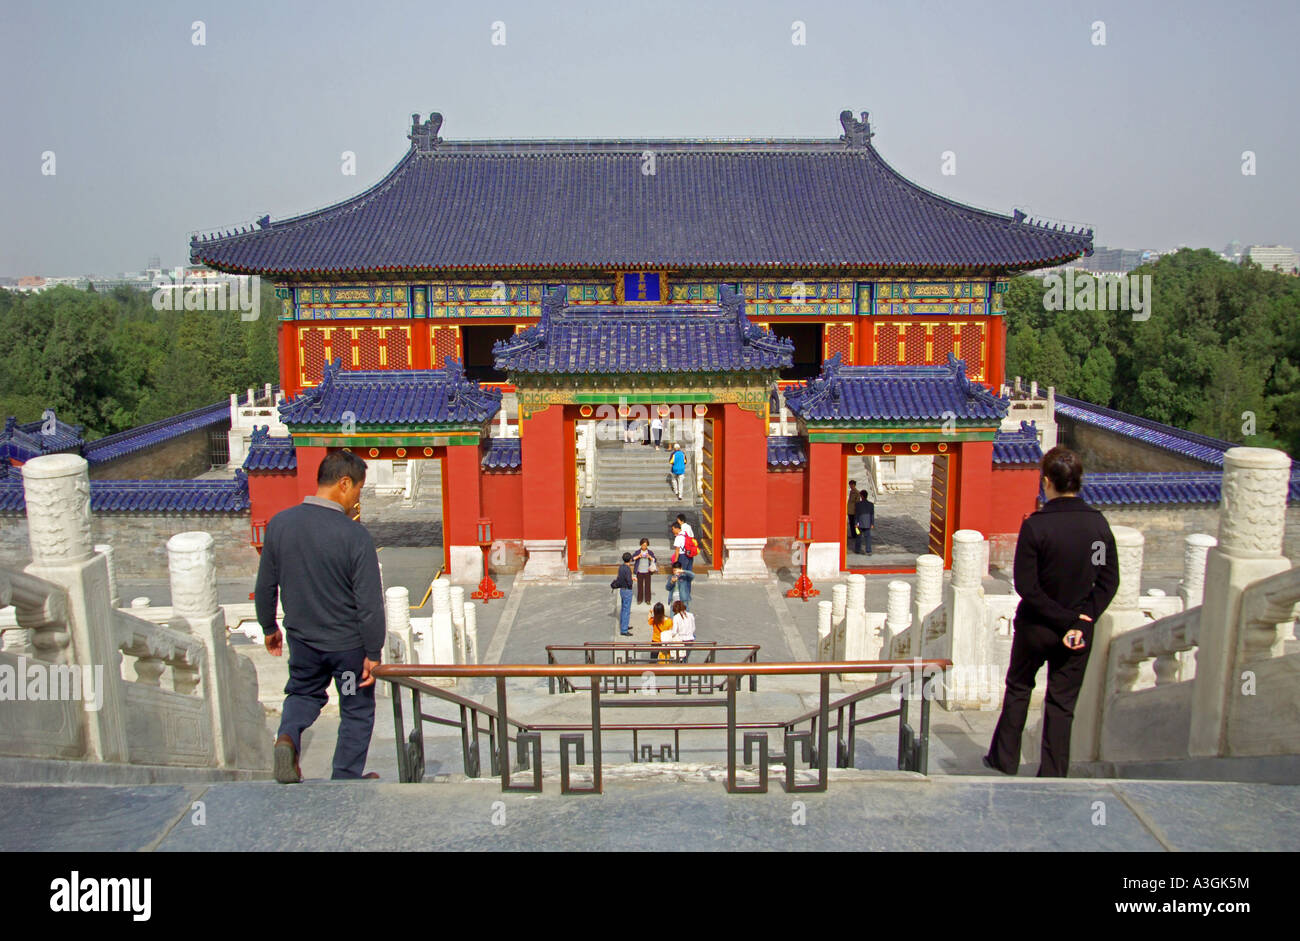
column 424, row 137
column 857, row 133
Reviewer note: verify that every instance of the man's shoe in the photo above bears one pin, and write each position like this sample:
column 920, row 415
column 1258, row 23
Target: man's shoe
column 370, row 776
column 287, row 770
column 988, row 763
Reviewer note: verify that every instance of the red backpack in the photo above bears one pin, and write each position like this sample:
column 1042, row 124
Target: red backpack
column 691, row 547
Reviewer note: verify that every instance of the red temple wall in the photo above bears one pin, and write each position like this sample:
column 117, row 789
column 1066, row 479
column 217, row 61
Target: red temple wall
column 503, row 502
column 785, row 496
column 744, row 503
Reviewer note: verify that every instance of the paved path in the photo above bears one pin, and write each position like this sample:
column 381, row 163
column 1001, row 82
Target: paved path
column 685, row 811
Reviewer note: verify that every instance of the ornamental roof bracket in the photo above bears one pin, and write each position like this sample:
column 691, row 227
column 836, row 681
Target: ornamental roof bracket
column 424, row 137
column 857, row 133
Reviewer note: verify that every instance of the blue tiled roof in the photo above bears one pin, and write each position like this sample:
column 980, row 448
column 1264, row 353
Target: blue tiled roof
column 788, row 452
column 1018, row 447
column 1167, row 437
column 599, row 339
column 23, row 441
column 503, row 454
column 843, row 394
column 1163, row 487
column 592, row 204
column 267, row 452
column 393, row 397
column 126, row 442
column 147, row 496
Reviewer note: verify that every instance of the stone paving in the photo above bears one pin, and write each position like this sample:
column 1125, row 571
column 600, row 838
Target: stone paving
column 858, row 812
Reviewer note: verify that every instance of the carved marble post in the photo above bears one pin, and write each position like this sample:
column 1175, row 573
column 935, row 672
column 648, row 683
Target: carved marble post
column 192, row 572
column 56, row 488
column 441, row 629
column 967, row 642
column 1252, row 523
column 458, row 621
column 1196, row 547
column 825, row 639
column 858, row 642
column 898, row 618
column 397, row 612
column 839, row 605
column 927, row 604
column 471, row 632
column 107, row 552
column 1122, row 616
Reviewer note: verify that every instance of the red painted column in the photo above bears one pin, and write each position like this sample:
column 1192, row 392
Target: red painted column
column 974, row 486
column 308, row 463
column 744, row 474
column 542, row 442
column 461, row 485
column 827, row 493
column 460, row 499
column 287, row 335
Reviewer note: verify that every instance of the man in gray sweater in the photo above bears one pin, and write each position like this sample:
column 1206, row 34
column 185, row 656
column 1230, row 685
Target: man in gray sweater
column 323, row 565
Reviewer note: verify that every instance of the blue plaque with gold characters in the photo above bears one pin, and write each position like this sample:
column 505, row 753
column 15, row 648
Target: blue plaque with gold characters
column 644, row 287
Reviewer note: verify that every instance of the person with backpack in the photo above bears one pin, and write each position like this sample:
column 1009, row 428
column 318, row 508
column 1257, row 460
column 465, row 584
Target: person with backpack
column 685, row 548
column 679, row 585
column 677, row 469
column 686, row 527
column 623, row 582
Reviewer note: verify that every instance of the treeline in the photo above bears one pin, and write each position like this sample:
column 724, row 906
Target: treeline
column 110, row 361
column 1218, row 353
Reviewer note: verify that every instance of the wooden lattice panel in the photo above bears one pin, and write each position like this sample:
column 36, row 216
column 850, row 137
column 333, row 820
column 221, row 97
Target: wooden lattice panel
column 311, row 355
column 914, row 345
column 941, row 342
column 397, row 348
column 838, row 338
column 366, row 355
column 446, row 343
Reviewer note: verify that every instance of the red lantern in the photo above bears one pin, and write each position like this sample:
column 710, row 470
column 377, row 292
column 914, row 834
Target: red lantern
column 487, row 589
column 803, row 588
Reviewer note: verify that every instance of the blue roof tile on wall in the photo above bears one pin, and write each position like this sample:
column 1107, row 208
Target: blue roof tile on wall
column 894, row 393
column 664, row 339
column 1167, row 437
column 393, row 397
column 270, row 453
column 521, row 204
column 1163, row 487
column 503, row 454
column 126, row 442
column 23, row 441
column 147, row 496
column 786, row 452
column 1018, row 447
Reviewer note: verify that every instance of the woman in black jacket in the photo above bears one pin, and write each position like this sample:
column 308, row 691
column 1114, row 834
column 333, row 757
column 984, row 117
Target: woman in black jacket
column 1066, row 574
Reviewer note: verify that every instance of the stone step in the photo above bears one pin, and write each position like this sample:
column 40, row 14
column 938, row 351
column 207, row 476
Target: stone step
column 653, row 807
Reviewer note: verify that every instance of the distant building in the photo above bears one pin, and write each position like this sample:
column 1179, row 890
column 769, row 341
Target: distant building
column 1279, row 258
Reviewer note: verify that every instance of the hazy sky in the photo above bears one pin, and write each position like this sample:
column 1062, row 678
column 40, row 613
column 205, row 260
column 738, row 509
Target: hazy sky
column 155, row 137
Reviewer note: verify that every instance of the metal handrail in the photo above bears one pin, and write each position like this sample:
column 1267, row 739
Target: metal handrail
column 913, row 746
column 679, row 650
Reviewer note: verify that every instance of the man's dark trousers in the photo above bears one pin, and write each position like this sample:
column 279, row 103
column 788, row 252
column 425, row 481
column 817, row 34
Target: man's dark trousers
column 306, row 693
column 1030, row 647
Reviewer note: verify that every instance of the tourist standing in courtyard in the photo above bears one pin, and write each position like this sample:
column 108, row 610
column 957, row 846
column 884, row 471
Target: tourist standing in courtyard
column 683, row 627
column 853, row 507
column 646, row 565
column 865, row 517
column 1066, row 574
column 677, row 468
column 657, row 430
column 660, row 623
column 324, row 570
column 623, row 582
column 679, row 584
